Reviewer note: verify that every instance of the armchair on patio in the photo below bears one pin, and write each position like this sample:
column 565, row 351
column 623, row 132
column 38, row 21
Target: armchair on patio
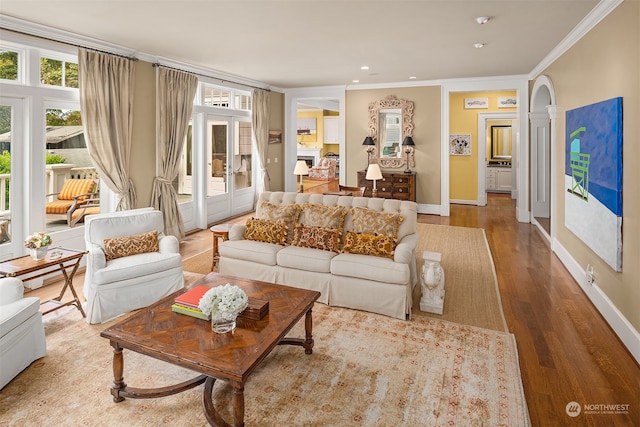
column 21, row 330
column 131, row 263
column 324, row 170
column 74, row 193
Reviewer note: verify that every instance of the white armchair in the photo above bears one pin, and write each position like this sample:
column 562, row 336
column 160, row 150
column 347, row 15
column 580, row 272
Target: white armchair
column 21, row 330
column 140, row 275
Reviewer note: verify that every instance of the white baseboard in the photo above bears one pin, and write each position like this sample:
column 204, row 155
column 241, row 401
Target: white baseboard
column 618, row 322
column 428, row 209
column 464, row 202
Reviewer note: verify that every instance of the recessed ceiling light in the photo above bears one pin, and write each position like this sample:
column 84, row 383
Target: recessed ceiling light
column 364, row 67
column 355, row 81
column 412, row 78
column 479, row 45
column 482, row 19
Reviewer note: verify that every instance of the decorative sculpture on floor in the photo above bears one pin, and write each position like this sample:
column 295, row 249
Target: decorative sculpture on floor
column 432, row 279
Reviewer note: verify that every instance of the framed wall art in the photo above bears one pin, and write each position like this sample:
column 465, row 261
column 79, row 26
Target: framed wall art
column 275, row 136
column 460, row 145
column 507, row 102
column 476, row 103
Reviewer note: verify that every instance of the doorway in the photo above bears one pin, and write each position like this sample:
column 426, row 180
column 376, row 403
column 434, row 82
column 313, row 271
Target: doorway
column 542, row 119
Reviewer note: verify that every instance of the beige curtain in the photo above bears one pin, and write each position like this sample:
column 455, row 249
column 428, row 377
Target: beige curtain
column 260, row 124
column 106, row 98
column 174, row 102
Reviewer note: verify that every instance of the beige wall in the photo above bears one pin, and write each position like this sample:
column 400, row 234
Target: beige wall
column 276, row 151
column 143, row 145
column 426, row 135
column 602, row 65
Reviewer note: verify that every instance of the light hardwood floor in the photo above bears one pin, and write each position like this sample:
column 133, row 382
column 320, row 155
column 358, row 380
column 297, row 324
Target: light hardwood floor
column 567, row 351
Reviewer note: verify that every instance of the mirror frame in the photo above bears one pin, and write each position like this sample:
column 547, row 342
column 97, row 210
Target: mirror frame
column 494, row 128
column 390, row 102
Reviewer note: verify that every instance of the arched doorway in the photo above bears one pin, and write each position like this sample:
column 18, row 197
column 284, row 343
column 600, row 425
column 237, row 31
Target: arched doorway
column 543, row 121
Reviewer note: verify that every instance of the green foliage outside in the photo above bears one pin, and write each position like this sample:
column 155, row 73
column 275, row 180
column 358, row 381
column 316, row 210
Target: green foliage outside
column 55, row 159
column 5, row 162
column 8, row 65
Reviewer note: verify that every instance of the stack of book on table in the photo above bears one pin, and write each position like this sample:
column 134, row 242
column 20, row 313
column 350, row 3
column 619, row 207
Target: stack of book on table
column 187, row 303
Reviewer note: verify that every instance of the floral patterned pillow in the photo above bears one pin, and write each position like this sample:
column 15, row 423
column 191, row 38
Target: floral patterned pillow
column 317, row 215
column 281, row 213
column 327, row 239
column 265, row 231
column 375, row 222
column 119, row 247
column 369, row 244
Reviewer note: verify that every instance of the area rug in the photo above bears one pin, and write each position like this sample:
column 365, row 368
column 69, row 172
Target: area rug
column 471, row 288
column 365, row 370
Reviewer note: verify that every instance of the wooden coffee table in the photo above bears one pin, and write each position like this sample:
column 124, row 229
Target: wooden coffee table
column 158, row 332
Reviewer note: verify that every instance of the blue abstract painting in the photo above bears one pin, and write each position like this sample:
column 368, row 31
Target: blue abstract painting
column 593, row 178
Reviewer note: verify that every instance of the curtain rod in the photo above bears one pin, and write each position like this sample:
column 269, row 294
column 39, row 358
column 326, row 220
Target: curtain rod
column 210, row 77
column 132, row 58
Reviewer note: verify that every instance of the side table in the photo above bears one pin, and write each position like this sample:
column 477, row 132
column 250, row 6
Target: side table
column 57, row 259
column 220, row 231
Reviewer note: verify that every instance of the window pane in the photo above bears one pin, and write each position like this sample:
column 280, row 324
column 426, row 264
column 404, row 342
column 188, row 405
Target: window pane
column 217, row 132
column 242, row 158
column 67, row 158
column 70, row 74
column 8, row 65
column 5, row 173
column 50, row 71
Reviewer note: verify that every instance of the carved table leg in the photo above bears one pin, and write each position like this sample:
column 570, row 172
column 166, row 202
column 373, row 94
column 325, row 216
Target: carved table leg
column 308, row 329
column 212, row 414
column 118, row 369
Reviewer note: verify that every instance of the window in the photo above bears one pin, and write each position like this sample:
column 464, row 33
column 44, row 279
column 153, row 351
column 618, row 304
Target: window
column 55, row 72
column 216, row 97
column 243, row 102
column 9, row 66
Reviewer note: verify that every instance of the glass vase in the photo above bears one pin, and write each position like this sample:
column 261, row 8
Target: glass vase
column 222, row 326
column 39, row 254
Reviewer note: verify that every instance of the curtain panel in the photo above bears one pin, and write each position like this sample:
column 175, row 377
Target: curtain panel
column 106, row 85
column 175, row 91
column 260, row 124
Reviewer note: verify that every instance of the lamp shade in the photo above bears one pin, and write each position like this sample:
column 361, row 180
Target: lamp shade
column 374, row 172
column 301, row 168
column 408, row 141
column 368, row 141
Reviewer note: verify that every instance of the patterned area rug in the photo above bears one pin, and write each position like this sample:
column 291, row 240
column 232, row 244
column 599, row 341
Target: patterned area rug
column 366, row 370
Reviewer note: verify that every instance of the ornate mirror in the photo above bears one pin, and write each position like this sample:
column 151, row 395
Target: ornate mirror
column 390, row 121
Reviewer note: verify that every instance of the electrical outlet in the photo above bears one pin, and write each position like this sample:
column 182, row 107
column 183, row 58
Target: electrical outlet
column 589, row 274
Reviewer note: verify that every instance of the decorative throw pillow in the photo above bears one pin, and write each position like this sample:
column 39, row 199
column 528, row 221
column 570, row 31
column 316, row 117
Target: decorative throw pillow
column 369, row 244
column 281, row 213
column 375, row 222
column 326, row 239
column 265, row 231
column 119, row 247
column 317, row 215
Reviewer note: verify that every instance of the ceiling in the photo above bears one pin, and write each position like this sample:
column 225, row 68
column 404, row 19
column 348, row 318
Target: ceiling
column 307, row 43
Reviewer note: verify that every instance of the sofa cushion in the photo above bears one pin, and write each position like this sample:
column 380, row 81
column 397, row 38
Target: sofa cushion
column 327, row 239
column 281, row 213
column 249, row 250
column 366, row 267
column 318, row 215
column 138, row 265
column 374, row 222
column 265, row 231
column 307, row 259
column 369, row 244
column 119, row 247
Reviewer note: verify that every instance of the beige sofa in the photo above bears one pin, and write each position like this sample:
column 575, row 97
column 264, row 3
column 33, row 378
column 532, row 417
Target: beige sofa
column 364, row 282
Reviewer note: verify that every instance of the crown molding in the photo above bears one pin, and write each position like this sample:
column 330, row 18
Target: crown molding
column 604, row 8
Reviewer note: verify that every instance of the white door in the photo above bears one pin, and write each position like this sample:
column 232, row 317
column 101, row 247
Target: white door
column 13, row 228
column 229, row 168
column 540, row 166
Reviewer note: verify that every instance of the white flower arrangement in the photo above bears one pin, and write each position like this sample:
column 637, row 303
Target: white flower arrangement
column 223, row 302
column 37, row 240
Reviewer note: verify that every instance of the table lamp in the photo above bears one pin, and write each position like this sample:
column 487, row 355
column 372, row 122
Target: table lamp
column 408, row 144
column 374, row 173
column 301, row 169
column 369, row 141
